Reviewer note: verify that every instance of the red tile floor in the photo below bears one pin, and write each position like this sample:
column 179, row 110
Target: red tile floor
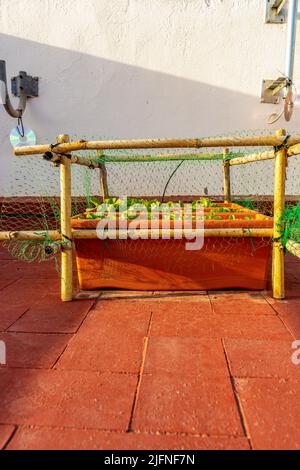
column 137, row 371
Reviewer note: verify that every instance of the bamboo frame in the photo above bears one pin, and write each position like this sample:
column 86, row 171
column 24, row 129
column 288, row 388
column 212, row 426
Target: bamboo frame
column 226, row 177
column 251, row 158
column 93, row 163
column 103, row 180
column 255, row 157
column 279, row 202
column 290, row 148
column 266, row 141
column 293, row 248
column 22, row 235
column 55, row 235
column 66, row 230
column 238, row 232
column 293, row 150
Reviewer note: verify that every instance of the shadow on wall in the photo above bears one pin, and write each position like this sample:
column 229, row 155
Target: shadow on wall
column 88, row 96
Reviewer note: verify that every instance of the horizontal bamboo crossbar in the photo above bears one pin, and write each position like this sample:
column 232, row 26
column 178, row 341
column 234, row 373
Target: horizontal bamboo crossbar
column 238, row 233
column 269, row 141
column 30, row 235
column 293, row 248
column 293, row 150
column 94, row 162
column 54, row 235
column 255, row 157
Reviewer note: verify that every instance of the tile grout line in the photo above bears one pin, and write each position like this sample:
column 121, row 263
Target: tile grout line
column 10, row 438
column 237, row 399
column 10, row 283
column 62, row 352
column 278, row 315
column 21, row 427
column 140, row 374
column 15, row 321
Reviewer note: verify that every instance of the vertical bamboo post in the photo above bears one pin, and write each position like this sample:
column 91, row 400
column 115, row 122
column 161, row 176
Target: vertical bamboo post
column 66, row 210
column 226, row 174
column 103, row 176
column 103, row 180
column 279, row 201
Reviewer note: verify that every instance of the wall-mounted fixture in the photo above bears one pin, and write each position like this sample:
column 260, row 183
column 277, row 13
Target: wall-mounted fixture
column 23, row 86
column 276, row 11
column 282, row 88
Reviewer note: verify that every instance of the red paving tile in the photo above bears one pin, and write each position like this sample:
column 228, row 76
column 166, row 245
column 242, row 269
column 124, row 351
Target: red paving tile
column 185, row 398
column 99, row 345
column 187, row 404
column 99, row 352
column 80, row 439
column 4, row 262
column 53, row 316
column 289, row 312
column 6, row 431
column 182, row 319
column 169, row 355
column 66, row 398
column 26, row 291
column 245, row 304
column 260, row 358
column 272, row 410
column 47, row 270
column 33, row 350
column 187, row 322
column 251, row 327
column 292, row 322
column 5, row 282
column 4, row 253
column 9, row 314
column 109, row 315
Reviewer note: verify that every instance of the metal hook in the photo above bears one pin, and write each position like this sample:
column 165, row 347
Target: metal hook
column 23, row 86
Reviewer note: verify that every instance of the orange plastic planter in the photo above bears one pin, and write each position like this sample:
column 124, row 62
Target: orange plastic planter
column 222, row 263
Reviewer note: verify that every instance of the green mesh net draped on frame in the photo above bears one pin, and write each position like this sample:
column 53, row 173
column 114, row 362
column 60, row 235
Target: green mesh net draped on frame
column 30, row 193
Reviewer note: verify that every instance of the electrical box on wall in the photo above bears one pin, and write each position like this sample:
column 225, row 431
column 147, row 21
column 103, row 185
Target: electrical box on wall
column 276, row 11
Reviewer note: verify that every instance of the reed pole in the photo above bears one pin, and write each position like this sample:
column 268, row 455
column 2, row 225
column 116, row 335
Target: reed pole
column 293, row 248
column 38, row 235
column 207, row 232
column 103, row 180
column 226, row 176
column 255, row 157
column 250, row 141
column 66, row 230
column 279, row 202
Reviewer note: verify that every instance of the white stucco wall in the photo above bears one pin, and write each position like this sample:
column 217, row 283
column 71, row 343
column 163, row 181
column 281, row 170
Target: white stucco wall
column 141, row 68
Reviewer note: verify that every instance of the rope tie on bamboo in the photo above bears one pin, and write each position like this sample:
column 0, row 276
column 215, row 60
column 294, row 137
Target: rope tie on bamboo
column 55, row 157
column 66, row 242
column 284, row 144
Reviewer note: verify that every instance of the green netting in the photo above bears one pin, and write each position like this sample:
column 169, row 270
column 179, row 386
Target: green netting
column 291, row 224
column 31, row 192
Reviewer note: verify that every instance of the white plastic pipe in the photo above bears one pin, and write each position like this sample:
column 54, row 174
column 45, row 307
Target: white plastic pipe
column 291, row 39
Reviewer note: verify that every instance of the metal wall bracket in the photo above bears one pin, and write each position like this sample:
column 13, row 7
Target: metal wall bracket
column 271, row 90
column 276, row 11
column 23, row 86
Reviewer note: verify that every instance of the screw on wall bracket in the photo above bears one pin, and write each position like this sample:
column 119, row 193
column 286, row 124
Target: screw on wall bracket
column 23, row 86
column 276, row 11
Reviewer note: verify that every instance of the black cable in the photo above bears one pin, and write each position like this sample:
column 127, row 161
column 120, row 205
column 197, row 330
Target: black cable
column 20, row 124
column 171, row 176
